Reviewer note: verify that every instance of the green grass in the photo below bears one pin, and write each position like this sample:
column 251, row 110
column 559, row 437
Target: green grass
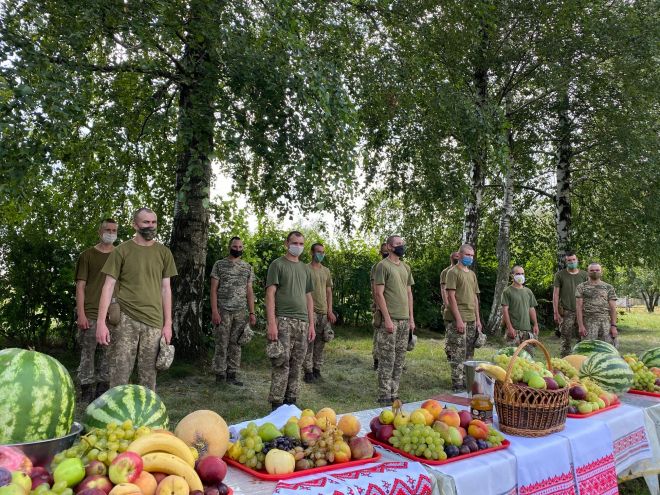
column 349, row 381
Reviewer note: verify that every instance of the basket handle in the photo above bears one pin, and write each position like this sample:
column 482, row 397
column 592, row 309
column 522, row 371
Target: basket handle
column 524, row 344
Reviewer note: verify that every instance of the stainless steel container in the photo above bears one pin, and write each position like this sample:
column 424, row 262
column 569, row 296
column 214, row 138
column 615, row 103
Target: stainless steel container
column 478, row 383
column 43, row 451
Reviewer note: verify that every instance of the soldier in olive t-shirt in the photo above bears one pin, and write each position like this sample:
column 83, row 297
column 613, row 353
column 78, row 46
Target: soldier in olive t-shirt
column 519, row 309
column 563, row 301
column 294, row 282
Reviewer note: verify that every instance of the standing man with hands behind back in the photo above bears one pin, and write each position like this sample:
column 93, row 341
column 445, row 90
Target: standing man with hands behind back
column 563, row 301
column 143, row 268
column 290, row 316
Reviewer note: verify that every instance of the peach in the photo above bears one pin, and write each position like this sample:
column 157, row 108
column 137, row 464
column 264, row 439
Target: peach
column 126, row 489
column 342, row 452
column 306, row 421
column 349, row 425
column 329, row 413
column 147, row 483
column 478, row 429
column 432, row 406
column 173, row 485
column 450, row 417
column 462, row 431
column 361, row 448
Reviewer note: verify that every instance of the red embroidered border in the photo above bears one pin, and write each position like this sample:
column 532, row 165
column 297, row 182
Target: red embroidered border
column 563, row 483
column 598, row 477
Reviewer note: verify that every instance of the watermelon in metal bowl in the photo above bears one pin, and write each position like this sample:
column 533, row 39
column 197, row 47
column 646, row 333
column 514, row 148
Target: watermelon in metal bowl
column 42, row 452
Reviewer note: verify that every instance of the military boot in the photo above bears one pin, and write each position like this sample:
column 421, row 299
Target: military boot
column 231, row 378
column 87, row 393
column 317, row 374
column 290, row 401
column 275, row 405
column 309, row 377
column 101, row 388
column 219, row 377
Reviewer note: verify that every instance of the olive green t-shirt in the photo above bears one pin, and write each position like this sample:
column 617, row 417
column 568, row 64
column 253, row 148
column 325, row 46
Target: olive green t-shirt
column 519, row 301
column 139, row 271
column 596, row 298
column 322, row 280
column 567, row 284
column 396, row 279
column 294, row 282
column 443, row 274
column 89, row 267
column 466, row 287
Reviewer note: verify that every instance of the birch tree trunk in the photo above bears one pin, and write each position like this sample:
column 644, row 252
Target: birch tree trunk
column 563, row 176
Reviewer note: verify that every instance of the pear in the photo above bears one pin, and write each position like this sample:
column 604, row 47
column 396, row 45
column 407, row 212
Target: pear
column 268, row 432
column 291, row 430
column 560, row 379
column 528, row 374
column 537, row 382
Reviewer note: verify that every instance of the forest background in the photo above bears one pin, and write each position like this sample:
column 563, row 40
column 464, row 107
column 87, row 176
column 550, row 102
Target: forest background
column 526, row 128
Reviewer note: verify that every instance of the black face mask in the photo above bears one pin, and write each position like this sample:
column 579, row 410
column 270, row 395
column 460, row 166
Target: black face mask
column 384, row 255
column 399, row 251
column 236, row 253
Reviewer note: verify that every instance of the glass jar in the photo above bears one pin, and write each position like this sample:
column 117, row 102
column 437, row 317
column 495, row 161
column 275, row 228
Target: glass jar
column 481, row 407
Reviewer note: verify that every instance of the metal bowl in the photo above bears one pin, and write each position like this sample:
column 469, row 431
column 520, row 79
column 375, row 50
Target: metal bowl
column 42, row 452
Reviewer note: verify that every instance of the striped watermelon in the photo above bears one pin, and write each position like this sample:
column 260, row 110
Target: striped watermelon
column 586, row 347
column 37, row 397
column 611, row 372
column 134, row 402
column 651, row 358
column 508, row 351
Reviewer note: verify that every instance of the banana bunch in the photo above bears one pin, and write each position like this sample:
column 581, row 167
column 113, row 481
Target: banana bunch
column 165, row 453
column 496, row 372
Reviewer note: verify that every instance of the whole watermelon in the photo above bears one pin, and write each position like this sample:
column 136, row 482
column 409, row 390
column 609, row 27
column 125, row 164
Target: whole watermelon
column 651, row 358
column 135, row 402
column 609, row 371
column 587, row 347
column 509, row 351
column 37, row 397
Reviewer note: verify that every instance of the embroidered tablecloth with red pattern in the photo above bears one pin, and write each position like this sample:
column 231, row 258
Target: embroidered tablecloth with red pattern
column 386, row 478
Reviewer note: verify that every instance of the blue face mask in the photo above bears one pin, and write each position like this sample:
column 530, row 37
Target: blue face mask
column 319, row 256
column 467, row 261
column 572, row 266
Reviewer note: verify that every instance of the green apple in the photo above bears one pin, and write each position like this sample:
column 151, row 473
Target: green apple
column 22, row 479
column 12, row 489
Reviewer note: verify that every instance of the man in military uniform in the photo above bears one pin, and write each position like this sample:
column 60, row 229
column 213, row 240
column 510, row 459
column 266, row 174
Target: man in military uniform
column 290, row 316
column 453, row 261
column 596, row 308
column 519, row 309
column 563, row 300
column 231, row 296
column 89, row 282
column 462, row 320
column 323, row 314
column 143, row 268
column 393, row 282
column 376, row 317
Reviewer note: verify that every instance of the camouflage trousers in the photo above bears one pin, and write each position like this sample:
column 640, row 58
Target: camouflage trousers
column 227, row 357
column 131, row 340
column 285, row 372
column 314, row 356
column 459, row 348
column 391, row 352
column 88, row 374
column 569, row 331
column 598, row 328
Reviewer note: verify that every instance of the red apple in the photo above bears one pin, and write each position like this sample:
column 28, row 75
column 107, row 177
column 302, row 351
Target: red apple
column 375, row 425
column 92, row 491
column 211, row 469
column 125, row 468
column 465, row 418
column 40, row 475
column 14, row 460
column 96, row 467
column 384, row 433
column 97, row 481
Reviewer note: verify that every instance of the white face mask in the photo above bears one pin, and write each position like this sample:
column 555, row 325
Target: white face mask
column 295, row 250
column 108, row 238
column 520, row 279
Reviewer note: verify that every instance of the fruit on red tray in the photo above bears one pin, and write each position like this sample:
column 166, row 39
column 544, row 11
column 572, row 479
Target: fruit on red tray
column 361, row 448
column 173, row 485
column 125, row 468
column 584, row 407
column 375, row 424
column 463, row 449
column 577, row 392
column 269, row 432
column 291, row 430
column 327, row 412
column 465, row 418
column 22, row 479
column 451, row 451
column 454, row 436
column 573, row 410
column 210, row 490
column 441, row 427
column 482, row 444
column 342, row 452
column 432, row 406
column 97, row 481
column 478, row 429
column 384, row 433
column 211, row 469
column 222, row 489
column 462, row 431
column 71, row 471
column 417, row 417
column 386, row 416
column 349, row 425
column 13, row 459
column 311, row 432
column 450, row 417
column 125, row 489
column 279, row 462
column 306, row 421
column 92, row 491
column 303, row 464
column 401, row 418
column 96, row 467
column 206, row 431
column 605, row 398
column 550, row 383
column 147, row 483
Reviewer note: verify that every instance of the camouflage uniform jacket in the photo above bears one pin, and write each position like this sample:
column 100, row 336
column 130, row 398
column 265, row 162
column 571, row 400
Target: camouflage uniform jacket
column 595, row 298
column 233, row 278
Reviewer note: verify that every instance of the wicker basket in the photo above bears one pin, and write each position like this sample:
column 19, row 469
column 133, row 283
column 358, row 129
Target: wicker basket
column 529, row 412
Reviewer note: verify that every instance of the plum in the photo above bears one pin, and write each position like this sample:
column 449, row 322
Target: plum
column 578, row 393
column 451, row 450
column 572, row 410
column 223, row 489
column 482, row 444
column 464, row 449
column 5, row 476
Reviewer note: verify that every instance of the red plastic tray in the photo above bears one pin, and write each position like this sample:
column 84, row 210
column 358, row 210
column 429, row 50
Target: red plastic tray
column 262, row 475
column 644, row 392
column 424, row 460
column 582, row 416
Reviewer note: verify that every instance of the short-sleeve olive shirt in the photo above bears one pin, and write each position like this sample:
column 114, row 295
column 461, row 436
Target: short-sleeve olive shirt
column 88, row 268
column 519, row 300
column 322, row 280
column 139, row 271
column 294, row 282
column 396, row 279
column 464, row 283
column 443, row 274
column 595, row 298
column 233, row 279
column 567, row 283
